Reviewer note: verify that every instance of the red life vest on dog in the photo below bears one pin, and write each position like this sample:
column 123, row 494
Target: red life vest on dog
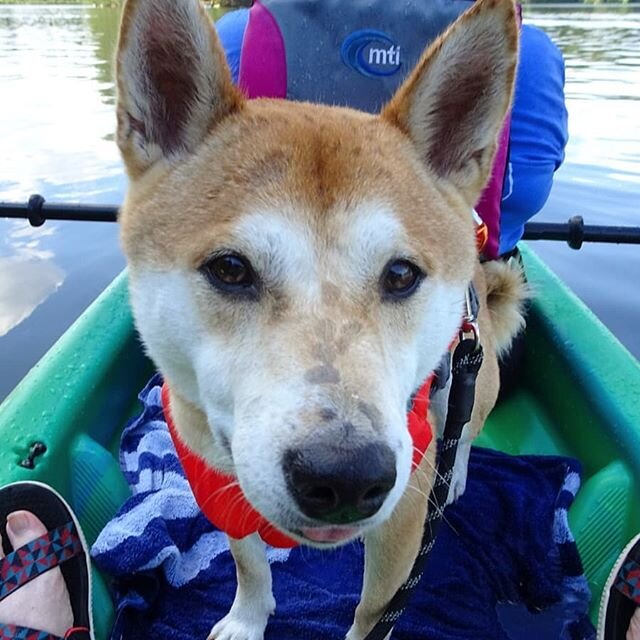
column 221, row 499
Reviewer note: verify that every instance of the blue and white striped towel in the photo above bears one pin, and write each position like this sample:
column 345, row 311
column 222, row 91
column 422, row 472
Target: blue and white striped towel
column 506, row 541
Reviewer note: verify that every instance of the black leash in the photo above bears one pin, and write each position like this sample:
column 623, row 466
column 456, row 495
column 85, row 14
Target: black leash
column 574, row 232
column 466, row 362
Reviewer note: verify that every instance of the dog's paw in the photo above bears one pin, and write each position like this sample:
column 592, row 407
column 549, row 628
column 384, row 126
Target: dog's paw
column 242, row 623
column 457, row 485
column 230, row 628
column 458, row 482
column 358, row 634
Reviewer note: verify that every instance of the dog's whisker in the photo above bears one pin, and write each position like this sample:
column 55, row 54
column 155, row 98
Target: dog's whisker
column 215, row 494
column 433, row 504
column 441, row 511
column 245, row 518
column 434, row 469
column 455, row 531
column 230, row 505
column 430, row 502
column 304, row 557
column 419, row 492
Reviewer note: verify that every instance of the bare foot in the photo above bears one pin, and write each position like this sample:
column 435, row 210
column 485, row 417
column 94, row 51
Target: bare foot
column 42, row 604
column 634, row 626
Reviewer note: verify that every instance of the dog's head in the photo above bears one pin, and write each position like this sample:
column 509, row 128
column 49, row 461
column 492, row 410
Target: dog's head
column 296, row 270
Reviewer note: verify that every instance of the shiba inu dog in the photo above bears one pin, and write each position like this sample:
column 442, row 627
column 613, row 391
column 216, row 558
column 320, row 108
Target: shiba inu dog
column 297, row 271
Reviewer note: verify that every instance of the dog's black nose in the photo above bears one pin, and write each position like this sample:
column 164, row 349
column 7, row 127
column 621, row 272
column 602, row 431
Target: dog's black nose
column 340, row 486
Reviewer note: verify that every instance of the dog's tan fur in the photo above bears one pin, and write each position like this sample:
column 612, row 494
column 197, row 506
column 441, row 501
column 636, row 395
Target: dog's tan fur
column 210, row 170
column 506, row 295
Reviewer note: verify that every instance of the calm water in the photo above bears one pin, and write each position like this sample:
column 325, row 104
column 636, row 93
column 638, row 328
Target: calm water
column 56, row 136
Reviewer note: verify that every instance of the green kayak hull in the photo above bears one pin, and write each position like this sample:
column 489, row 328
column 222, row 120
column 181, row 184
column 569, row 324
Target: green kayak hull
column 579, row 396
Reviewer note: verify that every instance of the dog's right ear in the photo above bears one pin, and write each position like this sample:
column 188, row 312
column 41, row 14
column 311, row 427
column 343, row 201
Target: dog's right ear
column 454, row 104
column 174, row 84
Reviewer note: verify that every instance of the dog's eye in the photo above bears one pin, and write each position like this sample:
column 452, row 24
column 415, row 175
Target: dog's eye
column 231, row 273
column 401, row 278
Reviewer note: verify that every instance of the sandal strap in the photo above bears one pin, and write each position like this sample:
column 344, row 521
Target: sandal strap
column 37, row 557
column 628, row 581
column 12, row 632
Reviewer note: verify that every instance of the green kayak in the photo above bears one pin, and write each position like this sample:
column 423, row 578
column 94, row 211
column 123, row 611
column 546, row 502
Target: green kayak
column 579, row 396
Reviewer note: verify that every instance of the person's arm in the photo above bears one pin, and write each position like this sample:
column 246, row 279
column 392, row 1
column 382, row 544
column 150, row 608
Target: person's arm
column 538, row 133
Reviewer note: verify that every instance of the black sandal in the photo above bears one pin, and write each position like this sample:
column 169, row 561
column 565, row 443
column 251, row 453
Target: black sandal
column 621, row 595
column 62, row 546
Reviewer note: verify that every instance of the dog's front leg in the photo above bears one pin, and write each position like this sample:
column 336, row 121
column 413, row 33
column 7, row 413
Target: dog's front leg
column 391, row 549
column 254, row 601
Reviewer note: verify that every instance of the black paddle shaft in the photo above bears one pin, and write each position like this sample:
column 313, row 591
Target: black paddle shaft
column 37, row 212
column 467, row 359
column 574, row 232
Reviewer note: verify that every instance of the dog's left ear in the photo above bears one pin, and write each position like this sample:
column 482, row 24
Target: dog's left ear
column 174, row 84
column 454, row 103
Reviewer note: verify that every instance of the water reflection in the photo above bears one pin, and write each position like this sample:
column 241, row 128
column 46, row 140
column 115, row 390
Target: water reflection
column 28, row 274
column 56, row 126
column 600, row 49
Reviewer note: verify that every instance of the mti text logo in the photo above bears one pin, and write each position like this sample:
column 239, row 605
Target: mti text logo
column 371, row 53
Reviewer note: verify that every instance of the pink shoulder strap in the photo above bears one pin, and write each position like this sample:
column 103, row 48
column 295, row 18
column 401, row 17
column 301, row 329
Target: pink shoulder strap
column 263, row 61
column 489, row 204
